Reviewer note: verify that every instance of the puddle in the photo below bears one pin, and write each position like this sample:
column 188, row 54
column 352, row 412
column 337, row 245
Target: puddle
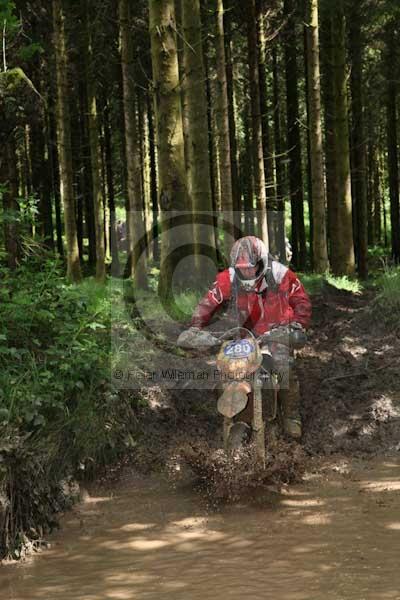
column 336, row 536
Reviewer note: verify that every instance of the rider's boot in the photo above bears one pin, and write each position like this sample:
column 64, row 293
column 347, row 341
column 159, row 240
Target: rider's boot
column 290, row 404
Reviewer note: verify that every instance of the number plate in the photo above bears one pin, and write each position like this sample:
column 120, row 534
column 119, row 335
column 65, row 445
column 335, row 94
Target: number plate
column 239, row 349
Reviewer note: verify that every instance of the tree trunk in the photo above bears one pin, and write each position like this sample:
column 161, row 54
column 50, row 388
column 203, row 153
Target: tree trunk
column 263, row 68
column 199, row 165
column 370, row 188
column 343, row 246
column 232, row 121
column 359, row 174
column 170, row 143
column 330, row 153
column 77, row 172
column 41, row 174
column 115, row 265
column 27, row 161
column 143, row 159
column 212, row 154
column 64, row 142
column 392, row 145
column 9, row 178
column 257, row 133
column 222, row 119
column 95, row 149
column 376, row 196
column 294, row 139
column 247, row 171
column 320, row 251
column 279, row 167
column 85, row 175
column 55, row 175
column 153, row 180
column 273, row 215
column 308, row 137
column 385, row 224
column 136, row 260
column 180, row 43
column 47, row 176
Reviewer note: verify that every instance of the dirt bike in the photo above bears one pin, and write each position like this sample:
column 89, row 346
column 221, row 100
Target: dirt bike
column 252, row 370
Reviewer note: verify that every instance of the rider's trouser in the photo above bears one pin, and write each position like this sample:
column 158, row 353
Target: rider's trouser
column 289, row 402
column 289, row 398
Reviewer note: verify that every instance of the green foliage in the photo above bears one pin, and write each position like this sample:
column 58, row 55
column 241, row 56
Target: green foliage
column 386, row 305
column 312, row 282
column 8, row 18
column 187, row 301
column 52, row 344
column 349, row 284
column 10, row 26
column 26, row 53
column 58, row 408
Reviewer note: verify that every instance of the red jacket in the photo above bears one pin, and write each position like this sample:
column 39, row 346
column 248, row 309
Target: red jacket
column 263, row 308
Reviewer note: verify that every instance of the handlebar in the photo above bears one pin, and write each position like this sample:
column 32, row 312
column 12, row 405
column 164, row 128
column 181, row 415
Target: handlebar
column 283, row 334
column 280, row 334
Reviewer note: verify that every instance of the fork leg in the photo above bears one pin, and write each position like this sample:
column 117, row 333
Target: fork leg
column 258, row 423
column 226, row 429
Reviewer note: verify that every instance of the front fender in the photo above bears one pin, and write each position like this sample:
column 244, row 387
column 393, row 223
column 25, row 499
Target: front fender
column 234, row 398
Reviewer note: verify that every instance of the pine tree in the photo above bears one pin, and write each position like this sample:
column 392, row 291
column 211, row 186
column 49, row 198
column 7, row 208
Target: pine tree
column 359, row 142
column 64, row 142
column 95, row 150
column 199, row 164
column 392, row 141
column 222, row 118
column 136, row 262
column 320, row 251
column 257, row 132
column 342, row 248
column 169, row 128
column 294, row 138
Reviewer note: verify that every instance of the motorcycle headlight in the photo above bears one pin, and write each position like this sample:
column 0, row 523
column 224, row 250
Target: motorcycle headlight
column 239, row 357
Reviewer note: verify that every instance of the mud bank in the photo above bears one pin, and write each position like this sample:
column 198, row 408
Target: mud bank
column 350, row 378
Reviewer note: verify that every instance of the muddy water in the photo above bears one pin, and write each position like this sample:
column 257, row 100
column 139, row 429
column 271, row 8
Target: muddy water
column 336, row 536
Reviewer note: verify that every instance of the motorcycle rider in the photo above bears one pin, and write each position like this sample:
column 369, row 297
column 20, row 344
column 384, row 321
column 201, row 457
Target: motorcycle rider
column 264, row 294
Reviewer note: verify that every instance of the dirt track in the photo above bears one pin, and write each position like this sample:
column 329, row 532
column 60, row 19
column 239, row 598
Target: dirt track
column 350, row 378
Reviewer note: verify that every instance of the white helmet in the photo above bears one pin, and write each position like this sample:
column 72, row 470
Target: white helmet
column 249, row 258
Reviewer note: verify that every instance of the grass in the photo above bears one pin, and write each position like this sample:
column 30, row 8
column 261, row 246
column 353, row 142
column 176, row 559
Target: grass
column 388, row 298
column 314, row 283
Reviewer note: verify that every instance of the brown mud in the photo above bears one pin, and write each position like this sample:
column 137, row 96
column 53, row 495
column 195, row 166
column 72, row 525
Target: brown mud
column 335, row 536
column 350, row 378
column 223, row 478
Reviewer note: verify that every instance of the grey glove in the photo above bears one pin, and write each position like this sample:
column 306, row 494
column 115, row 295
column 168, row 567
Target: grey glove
column 196, row 338
column 298, row 336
